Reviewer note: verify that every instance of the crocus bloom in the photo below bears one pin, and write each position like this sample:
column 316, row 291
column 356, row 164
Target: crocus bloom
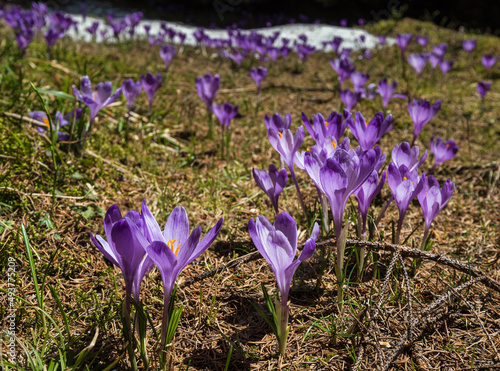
column 343, row 67
column 173, row 249
column 403, row 40
column 482, row 88
column 207, row 87
column 369, row 133
column 97, row 99
column 422, row 40
column 167, row 53
column 333, row 126
column 433, row 200
column 349, row 98
column 59, row 118
column 443, row 151
column 225, row 113
column 421, row 112
column 359, row 80
column 271, row 183
column 403, row 154
column 488, row 60
column 258, row 75
column 386, row 91
column 277, row 243
column 434, row 60
column 131, row 90
column 277, row 123
column 469, row 45
column 382, row 39
column 150, row 84
column 126, row 248
column 405, row 186
column 440, row 49
column 446, row 66
column 366, row 193
column 417, row 61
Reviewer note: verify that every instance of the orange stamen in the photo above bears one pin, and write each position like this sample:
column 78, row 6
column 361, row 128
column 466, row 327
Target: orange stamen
column 46, row 121
column 405, row 178
column 327, row 123
column 334, row 144
column 447, row 146
column 171, row 246
column 281, row 134
column 308, row 149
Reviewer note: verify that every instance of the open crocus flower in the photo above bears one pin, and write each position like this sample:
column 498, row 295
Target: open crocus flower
column 97, row 99
column 405, row 186
column 333, row 126
column 369, row 133
column 440, row 49
column 433, row 200
column 150, row 84
column 443, row 151
column 403, row 40
column 167, row 53
column 421, row 112
column 403, row 154
column 434, row 60
column 278, row 245
column 386, row 91
column 488, row 60
column 417, row 61
column 126, row 248
column 272, row 184
column 258, row 75
column 225, row 113
column 349, row 98
column 41, row 116
column 173, row 249
column 446, row 66
column 422, row 40
column 469, row 45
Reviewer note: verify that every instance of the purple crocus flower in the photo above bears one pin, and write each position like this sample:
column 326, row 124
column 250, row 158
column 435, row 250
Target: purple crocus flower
column 304, row 50
column 386, row 91
column 469, row 45
column 405, row 186
column 433, row 200
column 97, row 99
column 277, row 123
column 150, row 84
column 446, row 66
column 369, row 133
column 343, row 67
column 271, row 183
column 321, row 129
column 225, row 113
column 173, row 249
column 421, row 112
column 207, row 87
column 488, row 60
column 366, row 193
column 359, row 80
column 382, row 39
column 443, row 151
column 403, row 40
column 93, row 28
column 482, row 88
column 440, row 49
column 61, row 120
column 277, row 243
column 349, row 98
column 403, row 154
column 167, row 53
column 417, row 61
column 258, row 75
column 126, row 248
column 422, row 40
column 434, row 60
column 51, row 35
column 131, row 90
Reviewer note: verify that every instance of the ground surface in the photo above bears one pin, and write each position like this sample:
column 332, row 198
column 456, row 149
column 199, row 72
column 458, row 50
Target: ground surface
column 167, row 160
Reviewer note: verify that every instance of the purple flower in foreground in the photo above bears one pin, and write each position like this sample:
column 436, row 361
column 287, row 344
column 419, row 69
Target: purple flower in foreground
column 349, row 98
column 488, row 60
column 207, row 87
column 277, row 123
column 225, row 113
column 405, row 186
column 369, row 133
column 446, row 66
column 443, row 151
column 271, row 183
column 126, row 248
column 173, row 249
column 421, row 112
column 60, row 120
column 97, row 99
column 433, row 200
column 422, row 40
column 277, row 243
column 469, row 45
column 150, row 84
column 417, row 61
column 403, row 154
column 366, row 193
column 403, row 40
column 131, row 90
column 167, row 53
column 482, row 88
column 258, row 75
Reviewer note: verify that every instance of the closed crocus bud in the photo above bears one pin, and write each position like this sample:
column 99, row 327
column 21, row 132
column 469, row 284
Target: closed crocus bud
column 150, row 84
column 225, row 113
column 258, row 75
column 131, row 90
column 271, row 183
column 421, row 112
column 488, row 60
column 207, row 87
column 403, row 40
column 167, row 53
column 469, row 45
column 482, row 88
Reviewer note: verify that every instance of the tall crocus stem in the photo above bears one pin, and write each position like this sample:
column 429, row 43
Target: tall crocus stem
column 341, row 242
column 222, row 143
column 325, row 206
column 210, row 124
column 298, row 192
column 164, row 325
column 398, row 230
column 283, row 329
column 424, row 239
column 127, row 329
column 361, row 250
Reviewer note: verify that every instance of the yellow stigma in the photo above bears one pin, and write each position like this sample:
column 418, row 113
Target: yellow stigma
column 45, row 121
column 405, row 178
column 281, row 134
column 170, row 245
column 334, row 144
column 327, row 123
column 308, row 149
